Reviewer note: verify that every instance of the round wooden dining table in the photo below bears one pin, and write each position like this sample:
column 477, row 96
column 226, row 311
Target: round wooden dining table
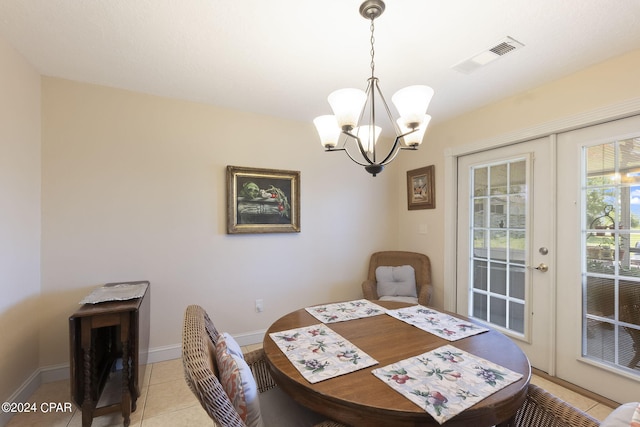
column 361, row 399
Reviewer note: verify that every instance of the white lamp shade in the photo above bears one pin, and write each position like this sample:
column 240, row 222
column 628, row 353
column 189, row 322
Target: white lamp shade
column 328, row 130
column 347, row 105
column 368, row 136
column 414, row 138
column 412, row 103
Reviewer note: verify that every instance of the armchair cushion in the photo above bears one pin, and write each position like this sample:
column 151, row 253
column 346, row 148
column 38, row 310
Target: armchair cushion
column 238, row 382
column 397, row 281
column 408, row 300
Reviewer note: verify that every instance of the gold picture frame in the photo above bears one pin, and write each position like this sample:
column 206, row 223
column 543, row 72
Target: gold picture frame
column 262, row 200
column 421, row 191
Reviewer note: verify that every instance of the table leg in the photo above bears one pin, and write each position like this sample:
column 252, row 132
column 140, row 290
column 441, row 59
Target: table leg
column 87, row 402
column 126, row 372
column 133, row 326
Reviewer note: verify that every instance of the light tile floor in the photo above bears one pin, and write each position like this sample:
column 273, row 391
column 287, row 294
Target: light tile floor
column 166, row 401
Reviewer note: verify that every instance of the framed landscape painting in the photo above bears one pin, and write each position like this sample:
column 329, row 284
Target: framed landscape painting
column 421, row 193
column 262, row 200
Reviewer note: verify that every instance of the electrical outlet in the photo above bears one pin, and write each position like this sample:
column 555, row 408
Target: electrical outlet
column 259, row 306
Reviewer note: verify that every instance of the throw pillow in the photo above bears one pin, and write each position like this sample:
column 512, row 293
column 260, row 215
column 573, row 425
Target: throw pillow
column 233, row 346
column 396, row 281
column 622, row 416
column 238, row 382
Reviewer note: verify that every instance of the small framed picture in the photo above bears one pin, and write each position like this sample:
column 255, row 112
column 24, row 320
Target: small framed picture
column 421, row 192
column 262, row 200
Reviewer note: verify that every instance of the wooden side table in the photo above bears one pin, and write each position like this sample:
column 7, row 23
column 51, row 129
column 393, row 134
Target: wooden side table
column 100, row 335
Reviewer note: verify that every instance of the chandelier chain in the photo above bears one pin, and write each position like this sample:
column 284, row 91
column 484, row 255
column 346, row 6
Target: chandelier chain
column 373, row 52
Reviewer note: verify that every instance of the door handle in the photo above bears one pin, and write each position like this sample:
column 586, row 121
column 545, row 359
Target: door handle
column 542, row 267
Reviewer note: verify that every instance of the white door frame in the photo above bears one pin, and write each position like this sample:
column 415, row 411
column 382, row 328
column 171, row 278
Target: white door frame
column 597, row 116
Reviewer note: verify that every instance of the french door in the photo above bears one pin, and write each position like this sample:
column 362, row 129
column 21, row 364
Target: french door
column 505, row 243
column 548, row 251
column 598, row 321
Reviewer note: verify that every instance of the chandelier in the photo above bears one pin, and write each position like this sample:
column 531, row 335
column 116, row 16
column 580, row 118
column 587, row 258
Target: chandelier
column 350, row 106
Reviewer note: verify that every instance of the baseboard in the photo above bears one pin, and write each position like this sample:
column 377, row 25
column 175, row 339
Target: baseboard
column 49, row 374
column 167, row 352
column 249, row 338
column 23, row 393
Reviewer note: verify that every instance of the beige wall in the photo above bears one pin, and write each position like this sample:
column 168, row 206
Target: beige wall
column 609, row 83
column 134, row 188
column 19, row 219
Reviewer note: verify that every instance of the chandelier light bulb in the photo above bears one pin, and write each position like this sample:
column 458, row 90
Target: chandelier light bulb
column 347, row 105
column 414, row 138
column 368, row 136
column 412, row 103
column 328, row 129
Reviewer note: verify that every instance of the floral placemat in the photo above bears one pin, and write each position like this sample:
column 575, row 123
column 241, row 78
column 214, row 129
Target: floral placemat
column 443, row 325
column 342, row 311
column 319, row 353
column 446, row 381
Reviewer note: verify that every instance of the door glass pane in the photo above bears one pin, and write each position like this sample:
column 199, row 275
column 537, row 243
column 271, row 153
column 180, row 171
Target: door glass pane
column 516, row 246
column 479, row 306
column 480, row 244
column 516, row 282
column 600, row 300
column 600, row 344
column 629, row 332
column 480, row 273
column 480, row 182
column 498, row 278
column 517, row 316
column 517, row 214
column 498, row 179
column 498, row 244
column 499, row 223
column 480, row 212
column 611, row 260
column 498, row 312
column 518, row 177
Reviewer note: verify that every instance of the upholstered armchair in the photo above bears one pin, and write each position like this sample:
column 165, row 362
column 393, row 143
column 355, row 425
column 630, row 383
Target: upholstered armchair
column 420, row 264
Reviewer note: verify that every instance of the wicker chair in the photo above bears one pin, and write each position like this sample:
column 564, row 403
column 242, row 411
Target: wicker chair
column 199, row 336
column 542, row 409
column 420, row 263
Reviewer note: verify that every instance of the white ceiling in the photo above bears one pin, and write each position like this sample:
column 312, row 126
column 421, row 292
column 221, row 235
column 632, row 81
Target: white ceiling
column 283, row 57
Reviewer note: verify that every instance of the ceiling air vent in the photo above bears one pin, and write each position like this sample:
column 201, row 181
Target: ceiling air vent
column 500, row 48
